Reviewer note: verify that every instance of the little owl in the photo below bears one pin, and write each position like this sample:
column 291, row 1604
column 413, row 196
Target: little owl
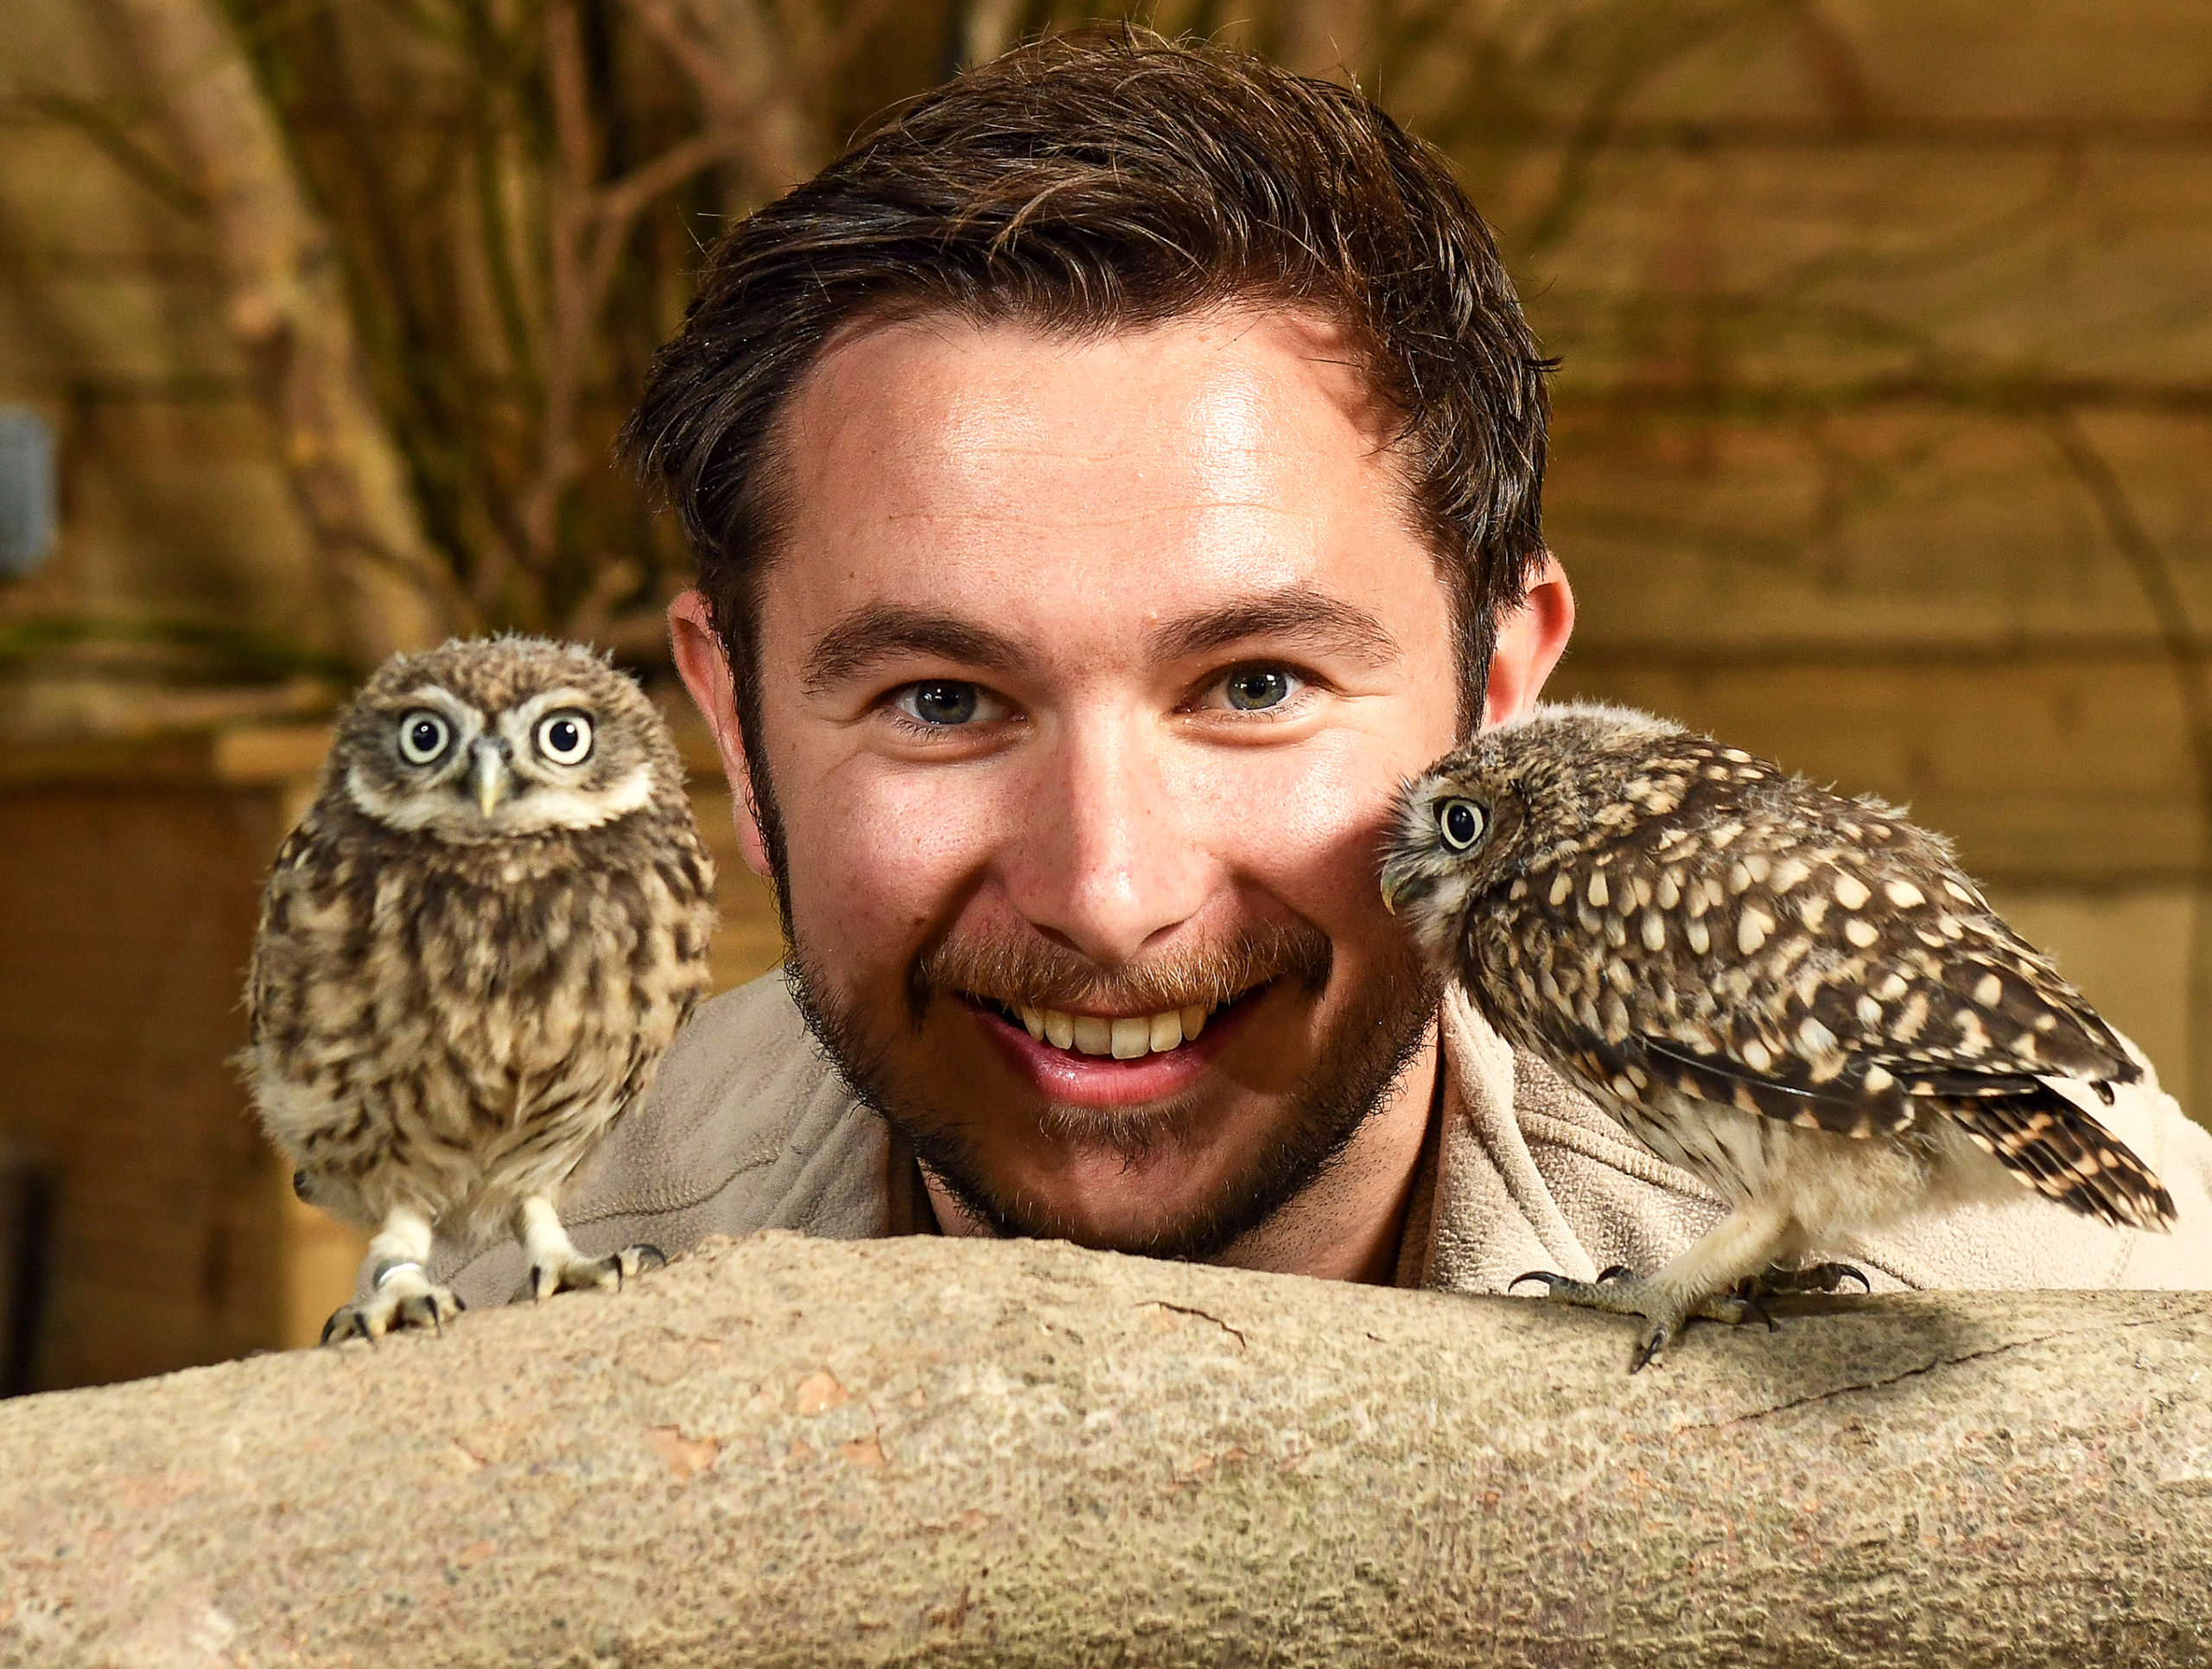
column 474, row 951
column 1797, row 998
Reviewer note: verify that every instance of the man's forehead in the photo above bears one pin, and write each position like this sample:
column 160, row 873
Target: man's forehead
column 1006, row 421
column 992, row 494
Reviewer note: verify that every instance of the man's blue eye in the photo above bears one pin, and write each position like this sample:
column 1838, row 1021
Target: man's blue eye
column 944, row 704
column 1254, row 688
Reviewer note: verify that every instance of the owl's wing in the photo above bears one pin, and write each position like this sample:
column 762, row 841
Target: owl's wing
column 272, row 936
column 1632, row 1064
column 1856, row 986
column 2024, row 1123
column 1831, row 986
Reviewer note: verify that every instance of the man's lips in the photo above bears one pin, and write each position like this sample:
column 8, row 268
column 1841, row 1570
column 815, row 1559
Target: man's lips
column 1073, row 1077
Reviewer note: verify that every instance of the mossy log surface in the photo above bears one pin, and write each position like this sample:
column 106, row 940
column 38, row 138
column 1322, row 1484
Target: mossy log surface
column 791, row 1451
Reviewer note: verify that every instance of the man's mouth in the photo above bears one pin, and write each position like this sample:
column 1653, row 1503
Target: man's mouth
column 1107, row 1061
column 1125, row 1037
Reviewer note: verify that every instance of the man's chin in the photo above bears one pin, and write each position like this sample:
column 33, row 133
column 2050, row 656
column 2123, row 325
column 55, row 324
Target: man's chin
column 1155, row 1182
column 1156, row 1206
column 1184, row 1178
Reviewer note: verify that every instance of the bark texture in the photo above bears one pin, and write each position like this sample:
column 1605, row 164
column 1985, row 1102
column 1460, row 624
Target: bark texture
column 790, row 1452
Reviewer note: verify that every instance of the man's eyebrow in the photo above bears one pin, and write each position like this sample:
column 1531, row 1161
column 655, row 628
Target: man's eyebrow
column 881, row 630
column 1298, row 614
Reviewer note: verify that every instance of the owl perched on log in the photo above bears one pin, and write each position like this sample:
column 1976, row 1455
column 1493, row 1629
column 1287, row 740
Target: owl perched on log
column 1797, row 998
column 474, row 951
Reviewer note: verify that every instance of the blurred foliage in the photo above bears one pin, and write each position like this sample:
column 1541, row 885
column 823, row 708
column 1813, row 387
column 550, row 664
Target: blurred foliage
column 519, row 190
column 519, row 193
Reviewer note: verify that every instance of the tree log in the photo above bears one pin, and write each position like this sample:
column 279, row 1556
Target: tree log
column 791, row 1451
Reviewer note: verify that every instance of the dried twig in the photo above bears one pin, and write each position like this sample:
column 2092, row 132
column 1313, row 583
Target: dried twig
column 2184, row 651
column 289, row 313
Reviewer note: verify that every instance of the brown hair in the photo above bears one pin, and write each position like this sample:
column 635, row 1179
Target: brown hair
column 1108, row 180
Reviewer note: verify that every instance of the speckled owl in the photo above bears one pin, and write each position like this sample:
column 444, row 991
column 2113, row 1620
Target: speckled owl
column 474, row 952
column 1798, row 998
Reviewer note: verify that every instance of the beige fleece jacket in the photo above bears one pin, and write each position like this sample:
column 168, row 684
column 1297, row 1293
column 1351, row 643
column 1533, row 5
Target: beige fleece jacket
column 748, row 1127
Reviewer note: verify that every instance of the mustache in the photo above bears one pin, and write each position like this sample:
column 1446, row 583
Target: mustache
column 1023, row 968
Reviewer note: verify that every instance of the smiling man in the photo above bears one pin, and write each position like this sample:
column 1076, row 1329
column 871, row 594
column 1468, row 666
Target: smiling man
column 1110, row 481
column 1078, row 715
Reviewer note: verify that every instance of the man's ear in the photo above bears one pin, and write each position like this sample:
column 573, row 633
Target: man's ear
column 704, row 668
column 1531, row 640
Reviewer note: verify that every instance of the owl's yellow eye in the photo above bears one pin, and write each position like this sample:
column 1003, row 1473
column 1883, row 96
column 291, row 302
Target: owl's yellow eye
column 423, row 737
column 1461, row 823
column 564, row 738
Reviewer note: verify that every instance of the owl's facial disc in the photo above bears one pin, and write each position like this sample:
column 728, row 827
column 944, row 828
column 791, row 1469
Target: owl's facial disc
column 539, row 765
column 1451, row 835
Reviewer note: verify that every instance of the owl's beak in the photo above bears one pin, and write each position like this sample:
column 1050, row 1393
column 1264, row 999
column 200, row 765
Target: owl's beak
column 1395, row 875
column 491, row 774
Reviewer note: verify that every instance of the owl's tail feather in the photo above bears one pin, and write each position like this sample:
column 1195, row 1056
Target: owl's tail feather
column 2062, row 1152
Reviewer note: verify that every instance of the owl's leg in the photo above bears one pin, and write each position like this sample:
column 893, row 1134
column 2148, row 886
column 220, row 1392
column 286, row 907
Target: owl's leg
column 556, row 1266
column 403, row 1296
column 1700, row 1283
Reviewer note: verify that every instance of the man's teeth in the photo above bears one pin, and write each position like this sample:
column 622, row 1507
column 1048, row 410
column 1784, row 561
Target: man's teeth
column 1124, row 1039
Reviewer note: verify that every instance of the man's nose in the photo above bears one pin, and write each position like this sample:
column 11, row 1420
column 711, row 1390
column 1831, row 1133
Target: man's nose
column 1103, row 857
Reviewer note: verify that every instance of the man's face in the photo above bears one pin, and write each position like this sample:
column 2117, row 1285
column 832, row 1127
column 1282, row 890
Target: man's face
column 1089, row 669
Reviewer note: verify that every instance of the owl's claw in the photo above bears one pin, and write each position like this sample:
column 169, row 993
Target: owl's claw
column 1813, row 1278
column 403, row 1299
column 1618, row 1292
column 344, row 1323
column 575, row 1272
column 1648, row 1349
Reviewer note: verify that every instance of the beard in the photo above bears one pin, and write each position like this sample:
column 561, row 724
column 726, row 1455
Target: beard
column 1357, row 1060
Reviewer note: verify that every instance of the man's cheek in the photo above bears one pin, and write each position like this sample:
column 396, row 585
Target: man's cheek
column 1304, row 826
column 883, row 858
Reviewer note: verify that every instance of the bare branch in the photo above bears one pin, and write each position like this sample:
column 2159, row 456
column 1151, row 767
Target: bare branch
column 987, row 28
column 111, row 132
column 748, row 87
column 2154, row 577
column 569, row 197
column 286, row 309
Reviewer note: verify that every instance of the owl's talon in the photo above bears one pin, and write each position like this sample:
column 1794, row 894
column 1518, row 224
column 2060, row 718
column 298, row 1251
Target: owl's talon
column 1813, row 1278
column 1829, row 1278
column 575, row 1272
column 1619, row 1272
column 1618, row 1294
column 1551, row 1281
column 403, row 1298
column 343, row 1324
